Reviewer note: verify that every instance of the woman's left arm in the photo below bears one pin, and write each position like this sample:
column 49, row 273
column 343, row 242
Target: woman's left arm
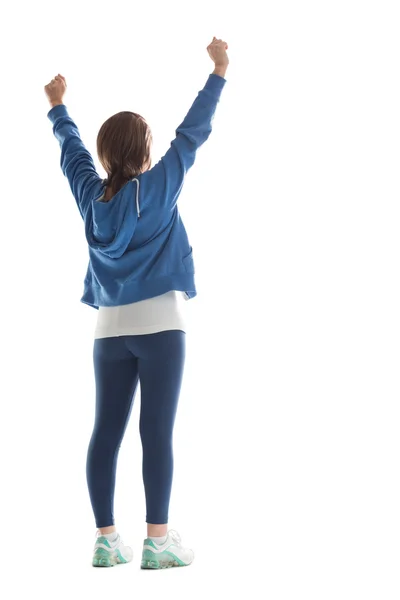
column 76, row 161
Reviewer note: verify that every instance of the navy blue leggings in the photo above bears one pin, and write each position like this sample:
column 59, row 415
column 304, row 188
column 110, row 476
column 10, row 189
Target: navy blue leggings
column 157, row 360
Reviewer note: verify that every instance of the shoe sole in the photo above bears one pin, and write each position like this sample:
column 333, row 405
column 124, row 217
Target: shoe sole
column 164, row 560
column 102, row 558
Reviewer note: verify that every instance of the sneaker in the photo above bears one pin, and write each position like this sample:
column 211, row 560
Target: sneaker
column 169, row 554
column 109, row 554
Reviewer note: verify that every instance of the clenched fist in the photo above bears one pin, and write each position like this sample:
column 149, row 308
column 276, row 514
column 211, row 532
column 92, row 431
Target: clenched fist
column 56, row 89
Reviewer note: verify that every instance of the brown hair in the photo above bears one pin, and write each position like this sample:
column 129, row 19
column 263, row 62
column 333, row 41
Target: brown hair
column 123, row 146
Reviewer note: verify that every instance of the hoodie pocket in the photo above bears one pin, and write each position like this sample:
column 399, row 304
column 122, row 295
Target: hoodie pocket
column 188, row 262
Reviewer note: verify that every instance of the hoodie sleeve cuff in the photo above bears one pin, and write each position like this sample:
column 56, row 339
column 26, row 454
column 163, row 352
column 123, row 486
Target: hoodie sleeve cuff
column 57, row 111
column 215, row 84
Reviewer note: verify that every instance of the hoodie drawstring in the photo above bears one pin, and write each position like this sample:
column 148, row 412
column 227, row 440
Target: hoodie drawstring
column 137, row 197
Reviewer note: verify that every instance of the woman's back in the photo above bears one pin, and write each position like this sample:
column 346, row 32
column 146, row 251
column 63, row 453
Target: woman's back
column 138, row 245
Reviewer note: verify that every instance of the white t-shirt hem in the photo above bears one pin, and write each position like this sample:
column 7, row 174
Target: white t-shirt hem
column 99, row 334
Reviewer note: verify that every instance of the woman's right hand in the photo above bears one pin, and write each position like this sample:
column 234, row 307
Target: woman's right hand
column 217, row 51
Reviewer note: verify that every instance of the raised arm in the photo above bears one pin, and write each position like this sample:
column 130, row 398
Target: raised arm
column 76, row 161
column 193, row 131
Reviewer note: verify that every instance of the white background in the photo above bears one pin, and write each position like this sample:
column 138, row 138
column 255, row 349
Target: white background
column 287, row 437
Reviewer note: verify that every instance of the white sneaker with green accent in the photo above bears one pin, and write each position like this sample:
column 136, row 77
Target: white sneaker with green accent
column 109, row 554
column 169, row 554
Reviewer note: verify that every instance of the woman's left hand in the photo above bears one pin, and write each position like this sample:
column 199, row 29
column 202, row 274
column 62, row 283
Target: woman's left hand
column 56, row 89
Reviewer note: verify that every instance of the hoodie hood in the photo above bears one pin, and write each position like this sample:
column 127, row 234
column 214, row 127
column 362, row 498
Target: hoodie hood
column 111, row 225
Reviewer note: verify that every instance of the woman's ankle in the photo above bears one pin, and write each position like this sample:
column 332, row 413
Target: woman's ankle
column 157, row 530
column 106, row 530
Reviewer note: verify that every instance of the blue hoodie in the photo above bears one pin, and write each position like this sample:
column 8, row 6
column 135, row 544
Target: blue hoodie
column 138, row 245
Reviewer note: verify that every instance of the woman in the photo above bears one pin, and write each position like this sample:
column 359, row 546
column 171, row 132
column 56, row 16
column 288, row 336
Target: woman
column 141, row 267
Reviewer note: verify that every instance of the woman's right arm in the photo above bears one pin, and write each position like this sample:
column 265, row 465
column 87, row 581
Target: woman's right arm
column 193, row 131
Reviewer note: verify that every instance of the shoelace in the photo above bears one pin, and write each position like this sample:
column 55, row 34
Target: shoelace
column 175, row 536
